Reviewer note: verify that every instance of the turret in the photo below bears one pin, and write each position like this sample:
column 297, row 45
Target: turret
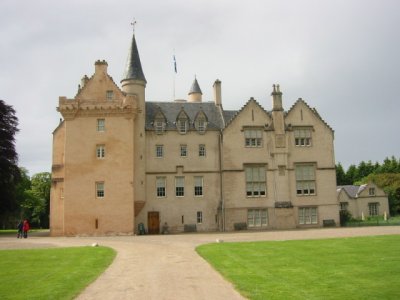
column 195, row 94
column 133, row 80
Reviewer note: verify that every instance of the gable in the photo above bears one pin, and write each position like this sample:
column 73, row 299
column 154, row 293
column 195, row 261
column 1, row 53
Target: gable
column 96, row 88
column 251, row 114
column 301, row 114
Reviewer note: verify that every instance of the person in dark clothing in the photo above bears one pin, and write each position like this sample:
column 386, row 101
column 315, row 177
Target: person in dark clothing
column 20, row 227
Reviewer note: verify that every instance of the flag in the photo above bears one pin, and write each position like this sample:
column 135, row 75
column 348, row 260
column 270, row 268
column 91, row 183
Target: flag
column 176, row 71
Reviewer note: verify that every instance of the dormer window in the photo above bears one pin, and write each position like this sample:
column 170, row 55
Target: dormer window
column 160, row 123
column 182, row 122
column 200, row 122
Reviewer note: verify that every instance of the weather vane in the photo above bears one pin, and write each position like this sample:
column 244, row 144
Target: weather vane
column 133, row 25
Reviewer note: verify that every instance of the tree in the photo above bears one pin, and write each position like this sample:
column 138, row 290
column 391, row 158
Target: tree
column 9, row 171
column 340, row 175
column 35, row 203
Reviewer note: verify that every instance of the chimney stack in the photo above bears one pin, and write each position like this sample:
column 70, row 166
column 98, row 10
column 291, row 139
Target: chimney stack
column 217, row 92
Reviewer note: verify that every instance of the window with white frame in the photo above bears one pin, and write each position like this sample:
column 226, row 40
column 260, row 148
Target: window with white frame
column 255, row 181
column 199, row 217
column 183, row 150
column 373, row 209
column 159, row 150
column 110, row 95
column 101, row 125
column 100, row 151
column 202, row 150
column 180, row 186
column 302, row 137
column 200, row 122
column 198, row 185
column 161, row 186
column 257, row 217
column 305, row 180
column 182, row 122
column 308, row 215
column 253, row 137
column 100, row 189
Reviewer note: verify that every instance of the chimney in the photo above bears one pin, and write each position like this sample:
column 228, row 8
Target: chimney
column 100, row 66
column 276, row 98
column 217, row 92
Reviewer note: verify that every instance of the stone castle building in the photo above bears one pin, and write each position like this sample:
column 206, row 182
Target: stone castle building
column 187, row 165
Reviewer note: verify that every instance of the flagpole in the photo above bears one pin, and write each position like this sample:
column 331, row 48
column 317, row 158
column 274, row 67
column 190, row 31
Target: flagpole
column 175, row 71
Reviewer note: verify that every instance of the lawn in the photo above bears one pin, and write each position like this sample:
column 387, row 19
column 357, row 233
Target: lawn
column 55, row 273
column 348, row 268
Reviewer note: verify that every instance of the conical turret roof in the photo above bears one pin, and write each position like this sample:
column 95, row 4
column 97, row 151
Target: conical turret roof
column 133, row 67
column 195, row 87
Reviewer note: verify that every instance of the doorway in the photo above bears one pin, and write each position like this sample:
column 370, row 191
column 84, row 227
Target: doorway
column 153, row 222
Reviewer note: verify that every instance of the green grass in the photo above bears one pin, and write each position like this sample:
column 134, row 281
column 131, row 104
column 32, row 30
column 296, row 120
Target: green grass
column 349, row 268
column 56, row 273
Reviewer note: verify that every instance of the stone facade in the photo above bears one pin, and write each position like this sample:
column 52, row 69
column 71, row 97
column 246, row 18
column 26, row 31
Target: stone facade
column 120, row 161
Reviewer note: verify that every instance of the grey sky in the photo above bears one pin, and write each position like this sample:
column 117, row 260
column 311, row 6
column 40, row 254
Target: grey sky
column 341, row 57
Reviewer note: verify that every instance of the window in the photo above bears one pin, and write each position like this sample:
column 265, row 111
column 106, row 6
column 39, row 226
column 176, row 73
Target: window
column 160, row 186
column 308, row 215
column 183, row 150
column 373, row 209
column 101, row 124
column 198, row 186
column 305, row 180
column 255, row 181
column 100, row 151
column 257, row 217
column 159, row 151
column 110, row 95
column 371, row 191
column 100, row 189
column 253, row 137
column 199, row 217
column 179, row 186
column 200, row 122
column 202, row 150
column 182, row 122
column 302, row 137
column 159, row 126
column 344, row 205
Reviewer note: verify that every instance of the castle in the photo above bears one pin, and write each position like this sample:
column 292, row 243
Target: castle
column 121, row 163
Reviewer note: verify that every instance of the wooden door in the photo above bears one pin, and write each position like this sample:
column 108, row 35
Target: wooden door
column 153, row 222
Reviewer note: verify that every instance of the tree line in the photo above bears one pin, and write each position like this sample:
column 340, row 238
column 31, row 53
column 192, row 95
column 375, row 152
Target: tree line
column 385, row 176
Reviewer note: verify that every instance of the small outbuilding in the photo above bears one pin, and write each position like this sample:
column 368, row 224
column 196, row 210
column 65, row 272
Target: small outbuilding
column 363, row 200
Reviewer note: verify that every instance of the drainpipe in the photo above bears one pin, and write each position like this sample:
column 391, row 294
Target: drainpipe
column 221, row 182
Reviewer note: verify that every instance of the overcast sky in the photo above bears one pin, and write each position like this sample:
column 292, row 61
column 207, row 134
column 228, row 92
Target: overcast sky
column 341, row 57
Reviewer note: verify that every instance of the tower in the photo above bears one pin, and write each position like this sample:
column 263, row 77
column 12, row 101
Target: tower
column 133, row 85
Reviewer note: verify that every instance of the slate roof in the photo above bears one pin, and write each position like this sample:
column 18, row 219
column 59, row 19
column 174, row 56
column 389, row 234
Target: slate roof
column 352, row 190
column 195, row 88
column 172, row 109
column 133, row 67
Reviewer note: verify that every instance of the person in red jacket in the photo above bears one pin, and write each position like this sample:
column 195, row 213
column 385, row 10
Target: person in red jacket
column 25, row 228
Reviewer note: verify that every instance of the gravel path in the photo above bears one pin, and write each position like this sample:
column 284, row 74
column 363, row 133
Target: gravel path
column 167, row 267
